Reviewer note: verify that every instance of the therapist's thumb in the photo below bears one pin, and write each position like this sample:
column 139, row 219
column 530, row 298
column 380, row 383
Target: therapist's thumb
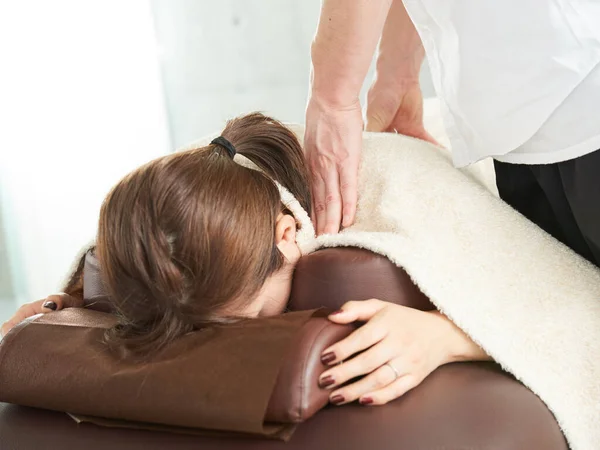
column 377, row 121
column 382, row 106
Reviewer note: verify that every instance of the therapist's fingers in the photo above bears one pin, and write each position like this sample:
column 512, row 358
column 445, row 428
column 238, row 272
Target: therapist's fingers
column 327, row 204
column 333, row 203
column 421, row 133
column 318, row 202
column 326, row 198
column 349, row 192
column 378, row 119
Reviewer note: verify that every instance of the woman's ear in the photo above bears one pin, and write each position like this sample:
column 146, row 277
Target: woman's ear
column 285, row 237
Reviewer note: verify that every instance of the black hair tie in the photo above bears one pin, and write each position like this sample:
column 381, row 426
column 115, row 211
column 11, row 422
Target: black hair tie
column 225, row 144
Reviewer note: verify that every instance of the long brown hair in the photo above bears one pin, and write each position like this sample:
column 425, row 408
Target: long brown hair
column 191, row 234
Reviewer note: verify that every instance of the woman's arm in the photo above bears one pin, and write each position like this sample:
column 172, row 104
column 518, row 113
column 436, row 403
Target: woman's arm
column 71, row 297
column 400, row 347
column 459, row 347
column 49, row 304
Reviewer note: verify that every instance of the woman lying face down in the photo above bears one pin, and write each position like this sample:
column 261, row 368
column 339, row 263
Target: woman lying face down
column 194, row 238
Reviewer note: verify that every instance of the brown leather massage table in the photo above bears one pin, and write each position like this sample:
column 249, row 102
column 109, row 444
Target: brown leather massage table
column 466, row 406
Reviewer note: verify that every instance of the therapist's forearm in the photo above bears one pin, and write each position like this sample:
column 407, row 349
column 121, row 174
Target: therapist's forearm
column 343, row 47
column 400, row 53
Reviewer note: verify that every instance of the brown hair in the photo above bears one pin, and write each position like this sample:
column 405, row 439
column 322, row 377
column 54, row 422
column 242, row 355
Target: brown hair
column 190, row 233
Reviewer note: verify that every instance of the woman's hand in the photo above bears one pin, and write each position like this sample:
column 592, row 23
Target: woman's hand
column 51, row 303
column 400, row 346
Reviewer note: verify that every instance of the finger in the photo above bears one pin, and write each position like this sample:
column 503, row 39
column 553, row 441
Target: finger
column 349, row 192
column 24, row 311
column 375, row 122
column 51, row 303
column 390, row 392
column 361, row 310
column 313, row 218
column 28, row 310
column 6, row 326
column 380, row 113
column 333, row 202
column 377, row 380
column 429, row 138
column 365, row 363
column 307, row 155
column 62, row 301
column 361, row 339
column 319, row 192
column 424, row 135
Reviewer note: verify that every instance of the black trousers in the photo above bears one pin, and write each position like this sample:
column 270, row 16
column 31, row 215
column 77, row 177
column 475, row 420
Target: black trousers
column 561, row 198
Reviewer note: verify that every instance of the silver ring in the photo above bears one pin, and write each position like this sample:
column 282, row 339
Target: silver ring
column 389, row 364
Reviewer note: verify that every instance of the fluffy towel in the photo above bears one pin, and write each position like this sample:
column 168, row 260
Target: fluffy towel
column 529, row 301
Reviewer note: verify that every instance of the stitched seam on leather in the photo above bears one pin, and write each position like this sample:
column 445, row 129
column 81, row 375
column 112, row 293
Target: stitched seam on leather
column 304, row 381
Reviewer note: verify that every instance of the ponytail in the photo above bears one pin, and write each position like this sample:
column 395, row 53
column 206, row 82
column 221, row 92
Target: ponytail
column 188, row 239
column 275, row 149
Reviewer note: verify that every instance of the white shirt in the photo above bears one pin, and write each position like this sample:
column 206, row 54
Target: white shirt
column 518, row 80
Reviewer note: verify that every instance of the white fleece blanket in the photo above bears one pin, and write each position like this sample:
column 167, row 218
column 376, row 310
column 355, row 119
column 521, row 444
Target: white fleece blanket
column 529, row 301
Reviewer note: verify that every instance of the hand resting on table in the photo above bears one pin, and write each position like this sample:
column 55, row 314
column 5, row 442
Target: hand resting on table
column 400, row 347
column 51, row 303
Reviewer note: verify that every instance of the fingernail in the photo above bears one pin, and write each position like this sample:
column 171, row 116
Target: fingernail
column 51, row 305
column 337, row 399
column 366, row 401
column 326, row 381
column 328, row 358
column 339, row 311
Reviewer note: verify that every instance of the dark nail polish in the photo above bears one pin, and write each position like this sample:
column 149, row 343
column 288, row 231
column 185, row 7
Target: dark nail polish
column 366, row 401
column 337, row 399
column 50, row 305
column 328, row 357
column 339, row 311
column 326, row 381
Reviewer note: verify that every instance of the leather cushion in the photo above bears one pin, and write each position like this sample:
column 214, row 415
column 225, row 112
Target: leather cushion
column 221, row 378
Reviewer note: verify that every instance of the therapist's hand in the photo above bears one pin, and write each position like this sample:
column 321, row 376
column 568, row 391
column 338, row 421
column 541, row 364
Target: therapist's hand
column 413, row 342
column 396, row 106
column 332, row 143
column 49, row 304
column 394, row 101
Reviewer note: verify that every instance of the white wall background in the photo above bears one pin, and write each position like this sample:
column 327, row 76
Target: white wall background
column 81, row 104
column 222, row 59
column 83, row 90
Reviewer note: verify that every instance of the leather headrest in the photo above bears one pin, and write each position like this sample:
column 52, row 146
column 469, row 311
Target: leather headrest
column 327, row 278
column 331, row 277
